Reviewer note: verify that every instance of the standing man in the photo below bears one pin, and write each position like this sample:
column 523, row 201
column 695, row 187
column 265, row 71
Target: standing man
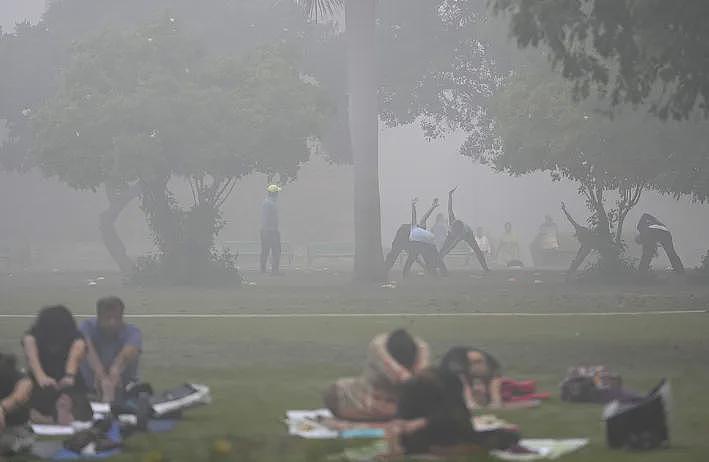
column 270, row 234
column 114, row 349
column 651, row 233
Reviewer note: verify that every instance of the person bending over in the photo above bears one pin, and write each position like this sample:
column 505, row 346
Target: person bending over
column 422, row 242
column 652, row 232
column 403, row 243
column 589, row 241
column 54, row 348
column 114, row 349
column 459, row 231
column 392, row 359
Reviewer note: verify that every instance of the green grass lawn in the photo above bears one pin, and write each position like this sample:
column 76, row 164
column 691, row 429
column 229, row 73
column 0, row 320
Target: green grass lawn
column 259, row 368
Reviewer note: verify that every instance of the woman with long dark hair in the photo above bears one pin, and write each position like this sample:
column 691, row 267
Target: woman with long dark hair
column 54, row 348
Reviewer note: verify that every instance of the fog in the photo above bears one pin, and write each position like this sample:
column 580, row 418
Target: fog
column 60, row 224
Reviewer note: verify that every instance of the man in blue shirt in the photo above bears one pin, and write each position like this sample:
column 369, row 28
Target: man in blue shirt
column 114, row 349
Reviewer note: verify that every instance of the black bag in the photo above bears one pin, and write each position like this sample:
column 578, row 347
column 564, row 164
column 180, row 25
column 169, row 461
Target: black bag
column 639, row 425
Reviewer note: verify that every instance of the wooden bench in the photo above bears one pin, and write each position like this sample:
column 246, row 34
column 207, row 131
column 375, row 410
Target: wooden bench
column 253, row 249
column 317, row 250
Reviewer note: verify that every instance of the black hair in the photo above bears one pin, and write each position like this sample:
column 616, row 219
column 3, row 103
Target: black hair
column 55, row 326
column 456, row 361
column 109, row 303
column 402, row 347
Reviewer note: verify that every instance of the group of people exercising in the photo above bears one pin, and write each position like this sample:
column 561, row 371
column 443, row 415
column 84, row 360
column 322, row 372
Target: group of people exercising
column 429, row 247
column 417, row 241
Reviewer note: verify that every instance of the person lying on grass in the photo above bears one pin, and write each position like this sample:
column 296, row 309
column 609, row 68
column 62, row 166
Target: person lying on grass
column 433, row 416
column 54, row 348
column 392, row 359
column 15, row 392
column 483, row 375
column 113, row 350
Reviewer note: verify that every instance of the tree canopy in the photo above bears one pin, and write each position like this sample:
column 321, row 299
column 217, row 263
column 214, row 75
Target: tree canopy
column 150, row 105
column 543, row 129
column 650, row 52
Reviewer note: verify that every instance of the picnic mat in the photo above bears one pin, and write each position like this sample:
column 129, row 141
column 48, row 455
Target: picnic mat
column 55, row 450
column 546, row 449
column 321, row 424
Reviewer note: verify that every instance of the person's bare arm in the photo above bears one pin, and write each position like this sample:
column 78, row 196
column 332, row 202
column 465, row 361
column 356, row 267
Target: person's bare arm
column 127, row 355
column 76, row 355
column 451, row 215
column 29, row 344
column 391, row 368
column 569, row 217
column 495, row 391
column 428, row 213
column 423, row 357
column 95, row 363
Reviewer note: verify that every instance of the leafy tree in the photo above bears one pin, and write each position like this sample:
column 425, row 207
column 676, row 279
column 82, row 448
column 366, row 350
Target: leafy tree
column 649, row 54
column 39, row 54
column 544, row 129
column 639, row 51
column 142, row 108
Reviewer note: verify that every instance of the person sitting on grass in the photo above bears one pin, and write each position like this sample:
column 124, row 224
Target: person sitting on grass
column 15, row 392
column 54, row 349
column 484, row 377
column 434, row 417
column 392, row 359
column 113, row 350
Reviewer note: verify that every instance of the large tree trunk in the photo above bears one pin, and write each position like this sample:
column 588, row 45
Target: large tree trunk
column 118, row 199
column 360, row 18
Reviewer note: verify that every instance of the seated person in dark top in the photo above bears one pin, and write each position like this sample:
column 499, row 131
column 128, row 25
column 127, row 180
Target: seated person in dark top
column 433, row 416
column 54, row 349
column 113, row 350
column 15, row 391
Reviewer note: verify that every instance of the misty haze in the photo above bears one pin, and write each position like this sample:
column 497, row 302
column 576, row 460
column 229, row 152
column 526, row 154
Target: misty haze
column 354, row 230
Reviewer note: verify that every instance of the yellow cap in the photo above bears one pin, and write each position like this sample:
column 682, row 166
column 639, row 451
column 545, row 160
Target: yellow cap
column 273, row 188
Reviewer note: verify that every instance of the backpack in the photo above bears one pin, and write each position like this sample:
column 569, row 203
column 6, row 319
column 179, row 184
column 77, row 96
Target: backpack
column 589, row 384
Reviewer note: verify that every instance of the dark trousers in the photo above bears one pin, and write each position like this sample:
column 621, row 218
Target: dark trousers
column 650, row 241
column 270, row 244
column 431, row 257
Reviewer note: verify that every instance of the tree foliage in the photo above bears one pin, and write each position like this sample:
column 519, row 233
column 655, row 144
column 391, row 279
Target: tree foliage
column 149, row 106
column 638, row 51
column 544, row 129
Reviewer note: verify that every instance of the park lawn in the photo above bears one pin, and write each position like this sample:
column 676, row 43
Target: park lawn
column 259, row 368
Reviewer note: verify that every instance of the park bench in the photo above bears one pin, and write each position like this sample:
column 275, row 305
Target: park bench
column 561, row 257
column 329, row 250
column 253, row 249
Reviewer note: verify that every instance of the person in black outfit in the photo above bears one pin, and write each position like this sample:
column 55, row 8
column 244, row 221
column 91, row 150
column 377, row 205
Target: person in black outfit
column 433, row 416
column 459, row 231
column 54, row 348
column 652, row 232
